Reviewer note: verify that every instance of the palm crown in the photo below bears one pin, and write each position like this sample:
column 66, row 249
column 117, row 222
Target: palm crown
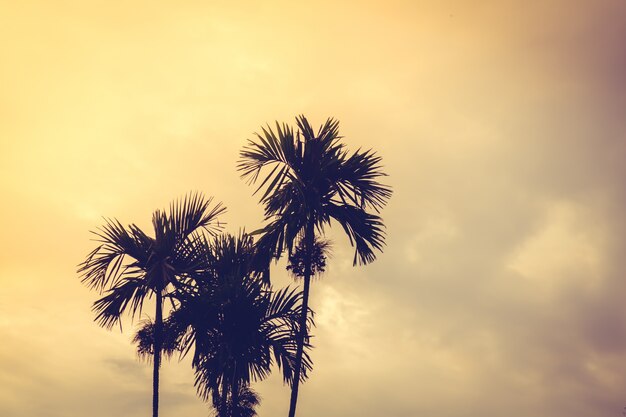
column 314, row 179
column 129, row 265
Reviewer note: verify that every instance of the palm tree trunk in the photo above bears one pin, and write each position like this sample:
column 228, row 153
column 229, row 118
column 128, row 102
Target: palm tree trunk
column 158, row 324
column 302, row 331
column 224, row 407
column 234, row 395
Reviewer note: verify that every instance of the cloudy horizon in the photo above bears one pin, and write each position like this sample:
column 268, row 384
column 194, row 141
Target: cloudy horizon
column 501, row 126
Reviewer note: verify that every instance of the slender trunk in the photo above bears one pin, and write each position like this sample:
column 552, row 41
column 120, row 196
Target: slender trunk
column 224, row 407
column 158, row 324
column 234, row 395
column 302, row 331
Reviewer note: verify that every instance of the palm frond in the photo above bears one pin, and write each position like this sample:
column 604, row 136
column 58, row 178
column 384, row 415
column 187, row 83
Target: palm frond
column 185, row 217
column 290, row 199
column 104, row 266
column 284, row 348
column 281, row 327
column 356, row 180
column 272, row 242
column 284, row 302
column 193, row 212
column 366, row 231
column 192, row 257
column 274, row 149
column 130, row 292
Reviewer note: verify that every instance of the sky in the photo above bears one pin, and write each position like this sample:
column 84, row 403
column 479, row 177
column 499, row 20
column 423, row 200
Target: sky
column 501, row 126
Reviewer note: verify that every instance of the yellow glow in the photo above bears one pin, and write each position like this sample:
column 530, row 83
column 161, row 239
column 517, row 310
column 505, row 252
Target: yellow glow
column 500, row 123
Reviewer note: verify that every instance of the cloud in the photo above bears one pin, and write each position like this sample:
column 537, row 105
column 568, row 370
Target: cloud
column 500, row 289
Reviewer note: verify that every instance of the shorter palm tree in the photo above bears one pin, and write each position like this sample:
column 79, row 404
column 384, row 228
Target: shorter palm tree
column 235, row 324
column 130, row 266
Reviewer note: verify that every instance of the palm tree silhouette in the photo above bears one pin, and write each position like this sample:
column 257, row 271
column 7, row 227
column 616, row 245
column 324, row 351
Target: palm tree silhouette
column 235, row 324
column 131, row 266
column 314, row 179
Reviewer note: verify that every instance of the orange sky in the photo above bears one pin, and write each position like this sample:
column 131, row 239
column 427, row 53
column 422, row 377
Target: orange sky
column 501, row 124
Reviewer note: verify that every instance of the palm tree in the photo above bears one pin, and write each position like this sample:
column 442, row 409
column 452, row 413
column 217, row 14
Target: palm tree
column 235, row 324
column 312, row 179
column 130, row 266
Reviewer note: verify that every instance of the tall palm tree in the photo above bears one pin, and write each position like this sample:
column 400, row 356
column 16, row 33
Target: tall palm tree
column 130, row 266
column 235, row 324
column 311, row 180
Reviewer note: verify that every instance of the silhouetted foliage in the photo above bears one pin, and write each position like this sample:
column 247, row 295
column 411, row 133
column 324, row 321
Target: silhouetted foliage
column 236, row 326
column 144, row 339
column 129, row 266
column 313, row 179
column 319, row 254
column 246, row 405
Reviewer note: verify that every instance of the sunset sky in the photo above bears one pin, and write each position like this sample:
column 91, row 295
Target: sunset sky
column 501, row 124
